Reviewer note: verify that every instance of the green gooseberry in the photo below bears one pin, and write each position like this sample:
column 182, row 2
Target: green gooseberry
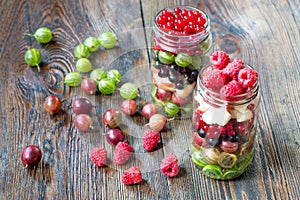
column 183, row 59
column 73, row 79
column 129, row 91
column 171, row 108
column 42, row 35
column 84, row 65
column 81, row 51
column 92, row 43
column 106, row 86
column 107, row 39
column 33, row 57
column 114, row 75
column 166, row 57
column 97, row 74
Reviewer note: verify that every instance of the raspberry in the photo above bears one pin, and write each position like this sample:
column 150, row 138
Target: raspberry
column 232, row 70
column 98, row 156
column 213, row 79
column 150, row 139
column 232, row 88
column 238, row 62
column 169, row 165
column 132, row 176
column 122, row 153
column 247, row 77
column 219, row 59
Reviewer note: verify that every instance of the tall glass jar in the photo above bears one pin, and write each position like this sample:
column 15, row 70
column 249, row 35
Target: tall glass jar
column 224, row 130
column 181, row 38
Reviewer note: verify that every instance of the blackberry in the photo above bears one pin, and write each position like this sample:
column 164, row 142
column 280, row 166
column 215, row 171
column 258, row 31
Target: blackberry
column 173, row 76
column 179, row 85
column 163, row 72
column 233, row 138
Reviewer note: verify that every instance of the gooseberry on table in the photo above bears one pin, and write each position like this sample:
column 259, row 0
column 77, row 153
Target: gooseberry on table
column 42, row 35
column 31, row 156
column 52, row 104
column 92, row 43
column 73, row 79
column 107, row 39
column 88, row 86
column 33, row 57
column 83, row 65
column 82, row 105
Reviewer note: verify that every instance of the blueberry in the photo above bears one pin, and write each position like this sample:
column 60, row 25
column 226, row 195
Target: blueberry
column 213, row 141
column 201, row 132
column 179, row 85
column 163, row 72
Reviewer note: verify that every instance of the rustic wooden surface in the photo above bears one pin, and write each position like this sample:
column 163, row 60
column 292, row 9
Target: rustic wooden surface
column 264, row 33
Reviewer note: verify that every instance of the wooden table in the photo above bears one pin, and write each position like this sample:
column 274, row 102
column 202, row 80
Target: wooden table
column 264, row 33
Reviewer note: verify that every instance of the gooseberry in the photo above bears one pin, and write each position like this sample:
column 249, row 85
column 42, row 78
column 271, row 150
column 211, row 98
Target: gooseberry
column 157, row 122
column 33, row 57
column 114, row 75
column 88, row 86
column 73, row 79
column 106, row 86
column 81, row 51
column 129, row 91
column 52, row 104
column 129, row 107
column 83, row 122
column 107, row 39
column 114, row 136
column 82, row 106
column 42, row 35
column 112, row 118
column 92, row 43
column 97, row 74
column 83, row 65
column 31, row 156
column 148, row 110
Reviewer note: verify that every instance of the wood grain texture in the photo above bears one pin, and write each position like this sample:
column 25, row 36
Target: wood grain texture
column 264, row 33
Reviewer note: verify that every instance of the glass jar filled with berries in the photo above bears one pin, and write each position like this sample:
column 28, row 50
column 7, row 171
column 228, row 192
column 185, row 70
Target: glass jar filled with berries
column 226, row 105
column 181, row 39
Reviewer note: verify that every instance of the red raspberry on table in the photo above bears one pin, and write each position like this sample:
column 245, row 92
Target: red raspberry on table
column 122, row 153
column 247, row 77
column 132, row 175
column 98, row 156
column 232, row 88
column 213, row 79
column 219, row 59
column 150, row 139
column 169, row 165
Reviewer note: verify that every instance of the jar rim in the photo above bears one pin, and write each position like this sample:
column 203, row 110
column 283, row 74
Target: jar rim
column 203, row 32
column 222, row 98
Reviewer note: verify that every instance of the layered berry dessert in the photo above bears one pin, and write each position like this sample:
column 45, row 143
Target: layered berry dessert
column 181, row 38
column 224, row 117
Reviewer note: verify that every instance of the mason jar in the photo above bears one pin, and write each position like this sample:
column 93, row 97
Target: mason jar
column 224, row 130
column 181, row 39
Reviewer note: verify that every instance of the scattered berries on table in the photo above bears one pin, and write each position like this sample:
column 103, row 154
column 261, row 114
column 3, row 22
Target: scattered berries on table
column 99, row 156
column 169, row 165
column 122, row 153
column 150, row 139
column 219, row 59
column 31, row 156
column 132, row 176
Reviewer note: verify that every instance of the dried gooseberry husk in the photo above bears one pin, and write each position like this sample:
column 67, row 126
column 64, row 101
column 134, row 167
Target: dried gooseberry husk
column 149, row 109
column 84, row 65
column 129, row 91
column 88, row 86
column 81, row 51
column 31, row 156
column 114, row 136
column 112, row 118
column 33, row 57
column 82, row 106
column 73, row 79
column 114, row 75
column 107, row 39
column 98, row 74
column 42, row 35
column 83, row 122
column 129, row 107
column 92, row 43
column 52, row 104
column 106, row 86
column 157, row 122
